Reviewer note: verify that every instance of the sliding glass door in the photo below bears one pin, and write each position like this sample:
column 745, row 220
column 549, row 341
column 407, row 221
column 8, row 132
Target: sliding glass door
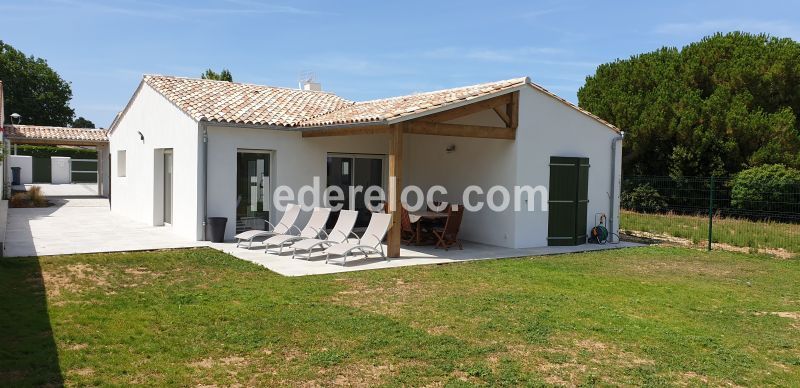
column 347, row 171
column 252, row 190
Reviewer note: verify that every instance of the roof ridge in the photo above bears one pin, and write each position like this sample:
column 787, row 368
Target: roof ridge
column 239, row 83
column 521, row 80
column 52, row 126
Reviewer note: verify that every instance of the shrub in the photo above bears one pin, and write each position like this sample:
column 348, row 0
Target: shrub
column 31, row 198
column 644, row 199
column 20, row 200
column 771, row 187
column 36, row 197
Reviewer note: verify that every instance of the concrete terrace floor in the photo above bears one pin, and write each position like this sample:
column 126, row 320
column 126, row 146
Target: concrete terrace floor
column 409, row 255
column 81, row 222
column 63, row 190
column 82, row 225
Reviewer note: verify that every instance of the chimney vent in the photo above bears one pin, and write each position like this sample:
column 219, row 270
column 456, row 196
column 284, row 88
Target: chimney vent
column 308, row 82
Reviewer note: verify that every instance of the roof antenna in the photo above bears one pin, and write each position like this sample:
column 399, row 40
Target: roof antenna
column 308, row 82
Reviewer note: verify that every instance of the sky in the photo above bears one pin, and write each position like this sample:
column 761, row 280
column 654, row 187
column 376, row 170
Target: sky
column 360, row 50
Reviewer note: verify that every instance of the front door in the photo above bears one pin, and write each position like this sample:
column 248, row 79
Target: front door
column 252, row 190
column 168, row 186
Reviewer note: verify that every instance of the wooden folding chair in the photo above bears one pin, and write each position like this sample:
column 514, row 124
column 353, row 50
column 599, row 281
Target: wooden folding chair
column 448, row 235
column 407, row 231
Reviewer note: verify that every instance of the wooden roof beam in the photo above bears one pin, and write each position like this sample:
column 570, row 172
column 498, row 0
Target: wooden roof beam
column 441, row 129
column 347, row 131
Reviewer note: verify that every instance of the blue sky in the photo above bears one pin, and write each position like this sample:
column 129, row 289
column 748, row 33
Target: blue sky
column 360, row 50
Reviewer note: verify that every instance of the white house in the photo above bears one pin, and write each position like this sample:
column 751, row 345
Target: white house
column 187, row 149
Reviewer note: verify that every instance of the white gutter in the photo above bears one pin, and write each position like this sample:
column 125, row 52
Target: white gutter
column 611, row 199
column 203, row 129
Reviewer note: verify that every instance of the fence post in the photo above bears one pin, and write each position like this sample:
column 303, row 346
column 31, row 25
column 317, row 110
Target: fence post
column 710, row 211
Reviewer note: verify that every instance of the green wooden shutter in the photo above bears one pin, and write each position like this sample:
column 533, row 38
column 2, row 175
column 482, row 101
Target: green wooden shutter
column 568, row 201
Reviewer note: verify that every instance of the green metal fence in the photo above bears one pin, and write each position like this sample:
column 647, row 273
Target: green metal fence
column 711, row 212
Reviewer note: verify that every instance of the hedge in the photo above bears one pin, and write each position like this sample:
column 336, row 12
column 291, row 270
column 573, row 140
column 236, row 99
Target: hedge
column 771, row 187
column 43, row 151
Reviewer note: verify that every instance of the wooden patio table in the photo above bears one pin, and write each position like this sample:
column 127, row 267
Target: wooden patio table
column 416, row 217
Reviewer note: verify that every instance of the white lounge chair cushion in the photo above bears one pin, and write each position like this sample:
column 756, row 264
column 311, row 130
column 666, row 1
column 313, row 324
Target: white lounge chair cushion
column 307, row 243
column 340, row 249
column 280, row 239
column 253, row 233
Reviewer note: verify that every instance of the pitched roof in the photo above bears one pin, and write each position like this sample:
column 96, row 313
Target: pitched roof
column 232, row 102
column 397, row 107
column 44, row 133
column 238, row 103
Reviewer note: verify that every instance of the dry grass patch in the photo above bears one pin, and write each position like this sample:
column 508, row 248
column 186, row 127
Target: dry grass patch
column 651, row 267
column 75, row 278
column 82, row 278
column 379, row 298
column 570, row 363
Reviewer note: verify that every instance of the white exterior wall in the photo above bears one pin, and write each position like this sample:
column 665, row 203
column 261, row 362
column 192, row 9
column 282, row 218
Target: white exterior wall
column 548, row 127
column 26, row 163
column 60, row 169
column 139, row 194
column 295, row 162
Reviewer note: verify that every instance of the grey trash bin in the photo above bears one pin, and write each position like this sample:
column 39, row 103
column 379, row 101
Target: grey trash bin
column 216, row 229
column 16, row 172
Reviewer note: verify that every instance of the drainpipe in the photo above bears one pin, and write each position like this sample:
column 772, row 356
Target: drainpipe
column 616, row 140
column 204, row 131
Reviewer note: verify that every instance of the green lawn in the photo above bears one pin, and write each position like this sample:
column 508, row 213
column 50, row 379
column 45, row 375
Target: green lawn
column 655, row 315
column 731, row 231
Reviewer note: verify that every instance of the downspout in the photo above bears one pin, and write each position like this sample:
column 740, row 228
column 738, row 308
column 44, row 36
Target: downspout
column 616, row 140
column 204, row 131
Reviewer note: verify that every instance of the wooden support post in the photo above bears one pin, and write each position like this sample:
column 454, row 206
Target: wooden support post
column 395, row 182
column 513, row 111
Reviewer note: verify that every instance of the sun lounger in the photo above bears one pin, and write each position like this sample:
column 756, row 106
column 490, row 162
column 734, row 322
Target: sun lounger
column 340, row 233
column 370, row 242
column 286, row 223
column 314, row 228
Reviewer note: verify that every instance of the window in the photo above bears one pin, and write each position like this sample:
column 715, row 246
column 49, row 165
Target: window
column 355, row 170
column 121, row 163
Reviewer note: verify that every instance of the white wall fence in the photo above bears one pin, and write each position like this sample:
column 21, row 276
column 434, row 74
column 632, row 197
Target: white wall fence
column 63, row 170
column 25, row 163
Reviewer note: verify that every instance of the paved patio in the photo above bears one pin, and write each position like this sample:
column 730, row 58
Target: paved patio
column 82, row 225
column 410, row 255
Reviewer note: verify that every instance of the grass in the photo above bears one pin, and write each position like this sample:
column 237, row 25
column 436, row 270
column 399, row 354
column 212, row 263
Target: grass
column 656, row 316
column 731, row 231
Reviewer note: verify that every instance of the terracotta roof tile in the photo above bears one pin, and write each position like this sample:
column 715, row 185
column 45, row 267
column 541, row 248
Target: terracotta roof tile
column 232, row 102
column 398, row 107
column 38, row 132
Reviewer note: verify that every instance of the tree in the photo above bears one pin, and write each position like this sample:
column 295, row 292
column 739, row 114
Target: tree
column 223, row 75
column 33, row 89
column 81, row 122
column 714, row 107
